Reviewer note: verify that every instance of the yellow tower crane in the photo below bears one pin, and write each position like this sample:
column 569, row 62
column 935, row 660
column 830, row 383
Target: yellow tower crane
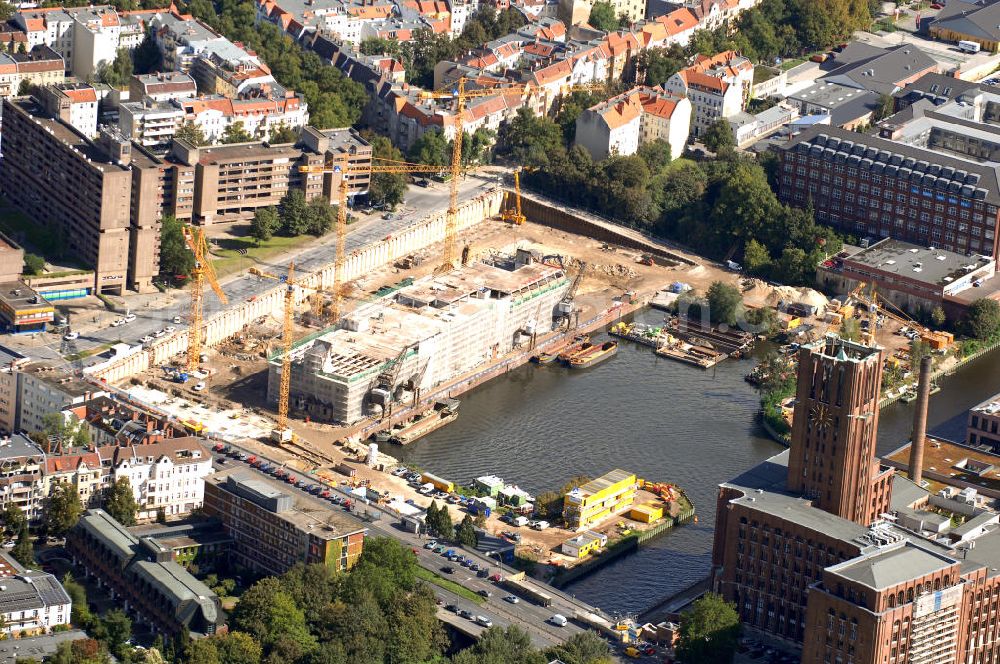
column 202, row 271
column 346, row 172
column 461, row 94
column 514, row 215
column 282, row 432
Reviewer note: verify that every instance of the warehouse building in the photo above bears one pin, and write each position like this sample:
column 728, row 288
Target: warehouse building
column 422, row 335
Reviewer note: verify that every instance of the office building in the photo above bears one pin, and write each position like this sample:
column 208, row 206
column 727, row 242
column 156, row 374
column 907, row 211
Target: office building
column 807, row 548
column 874, row 187
column 913, row 277
column 423, row 334
column 586, row 506
column 983, row 431
column 31, row 602
column 140, row 575
column 272, row 530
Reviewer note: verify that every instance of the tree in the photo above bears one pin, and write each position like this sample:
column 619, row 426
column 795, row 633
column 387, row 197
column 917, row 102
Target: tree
column 146, row 58
column 319, row 217
column 709, row 632
column 118, row 73
column 235, row 133
column 656, row 154
column 756, row 259
column 24, row 550
column 886, row 107
column 938, row 318
column 283, row 134
column 265, row 223
column 385, row 188
column 292, row 210
column 378, row 46
column 602, row 16
column 919, row 349
column 6, row 11
column 725, row 303
column 582, row 648
column 33, row 264
column 119, row 502
column 62, row 510
column 465, row 533
column 25, row 88
column 983, row 318
column 13, row 520
column 80, row 615
column 718, row 137
column 115, row 628
column 501, row 645
column 175, row 257
column 272, row 618
column 191, row 133
column 238, row 648
column 432, row 148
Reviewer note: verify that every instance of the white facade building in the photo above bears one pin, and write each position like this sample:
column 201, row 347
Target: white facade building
column 30, row 601
column 717, row 86
column 642, row 115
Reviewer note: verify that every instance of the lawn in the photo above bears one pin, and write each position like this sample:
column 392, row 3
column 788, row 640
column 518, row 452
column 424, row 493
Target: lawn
column 450, row 586
column 228, row 259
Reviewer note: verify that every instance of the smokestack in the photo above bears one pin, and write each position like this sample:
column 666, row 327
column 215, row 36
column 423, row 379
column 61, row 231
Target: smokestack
column 920, row 420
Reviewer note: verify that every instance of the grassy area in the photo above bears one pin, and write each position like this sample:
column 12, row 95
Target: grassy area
column 450, row 586
column 73, row 357
column 228, row 259
column 791, row 62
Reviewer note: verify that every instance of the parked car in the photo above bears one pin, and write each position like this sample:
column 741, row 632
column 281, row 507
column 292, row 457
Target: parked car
column 448, row 569
column 430, row 545
column 177, row 319
column 452, row 608
column 466, row 614
column 70, row 336
column 513, row 599
column 484, row 621
column 199, row 387
column 485, row 593
column 129, row 317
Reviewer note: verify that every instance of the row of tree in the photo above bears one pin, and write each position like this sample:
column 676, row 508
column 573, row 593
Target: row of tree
column 293, row 217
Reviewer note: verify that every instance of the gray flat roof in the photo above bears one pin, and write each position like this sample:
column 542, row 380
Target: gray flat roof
column 65, row 133
column 19, row 445
column 905, row 492
column 19, row 296
column 891, row 566
column 987, row 552
column 918, row 263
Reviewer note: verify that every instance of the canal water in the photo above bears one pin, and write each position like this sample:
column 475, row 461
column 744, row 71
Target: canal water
column 540, row 426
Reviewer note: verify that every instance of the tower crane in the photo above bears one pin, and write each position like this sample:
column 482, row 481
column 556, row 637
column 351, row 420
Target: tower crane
column 282, row 432
column 866, row 294
column 202, row 271
column 461, row 94
column 345, row 170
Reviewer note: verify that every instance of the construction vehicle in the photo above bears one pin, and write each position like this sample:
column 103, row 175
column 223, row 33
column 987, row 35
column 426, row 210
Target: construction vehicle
column 458, row 92
column 878, row 305
column 565, row 307
column 513, row 215
column 202, row 271
column 282, row 433
column 646, row 259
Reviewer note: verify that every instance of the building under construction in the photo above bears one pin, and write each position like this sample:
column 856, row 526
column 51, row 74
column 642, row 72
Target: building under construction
column 422, row 335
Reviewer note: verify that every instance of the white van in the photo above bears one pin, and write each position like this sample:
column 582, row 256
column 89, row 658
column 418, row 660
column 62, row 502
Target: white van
column 484, row 621
column 521, row 521
column 558, row 620
column 541, row 525
column 969, row 46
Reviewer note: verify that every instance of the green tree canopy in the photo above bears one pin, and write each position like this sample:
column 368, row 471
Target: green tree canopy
column 465, row 532
column 62, row 510
column 24, row 548
column 319, row 217
column 709, row 632
column 175, row 256
column 283, row 134
column 582, row 648
column 236, row 133
column 292, row 210
column 602, row 16
column 265, row 223
column 191, row 133
column 118, row 73
column 718, row 137
column 501, row 645
column 119, row 502
column 983, row 318
column 432, row 148
column 725, row 303
column 33, row 264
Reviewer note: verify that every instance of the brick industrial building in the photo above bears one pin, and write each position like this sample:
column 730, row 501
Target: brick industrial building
column 806, row 548
column 104, row 198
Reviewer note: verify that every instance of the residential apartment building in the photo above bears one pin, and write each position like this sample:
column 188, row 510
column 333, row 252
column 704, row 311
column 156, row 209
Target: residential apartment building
column 10, row 363
column 22, row 463
column 342, row 19
column 718, row 87
column 140, row 575
column 983, row 430
column 73, row 103
column 40, row 66
column 803, row 549
column 875, row 187
column 273, row 531
column 182, row 39
column 44, row 388
column 586, row 506
column 167, row 476
column 642, row 115
column 81, row 471
column 231, row 181
column 162, row 86
column 31, row 602
column 80, row 189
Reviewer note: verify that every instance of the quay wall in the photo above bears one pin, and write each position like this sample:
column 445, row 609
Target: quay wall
column 236, row 316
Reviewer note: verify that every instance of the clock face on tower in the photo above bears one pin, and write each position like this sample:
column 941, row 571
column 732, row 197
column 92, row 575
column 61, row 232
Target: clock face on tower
column 821, row 416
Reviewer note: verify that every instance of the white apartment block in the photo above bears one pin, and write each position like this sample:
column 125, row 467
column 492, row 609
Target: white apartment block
column 42, row 390
column 31, row 601
column 717, row 86
column 73, row 103
column 642, row 115
column 168, row 475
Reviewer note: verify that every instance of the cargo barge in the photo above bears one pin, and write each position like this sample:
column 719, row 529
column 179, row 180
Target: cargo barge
column 550, row 356
column 594, row 355
column 443, row 412
column 682, row 351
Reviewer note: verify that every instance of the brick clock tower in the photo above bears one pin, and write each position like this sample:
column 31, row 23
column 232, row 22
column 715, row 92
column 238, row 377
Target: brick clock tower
column 832, row 457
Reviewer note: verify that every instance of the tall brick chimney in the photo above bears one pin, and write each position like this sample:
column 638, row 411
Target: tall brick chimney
column 920, row 420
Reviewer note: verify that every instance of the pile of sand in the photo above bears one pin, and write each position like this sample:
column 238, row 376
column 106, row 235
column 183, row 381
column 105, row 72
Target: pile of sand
column 789, row 294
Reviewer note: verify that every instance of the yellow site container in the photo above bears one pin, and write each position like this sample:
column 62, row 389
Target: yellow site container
column 645, row 513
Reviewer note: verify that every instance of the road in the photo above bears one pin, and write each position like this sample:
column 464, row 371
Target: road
column 526, row 614
column 420, row 203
